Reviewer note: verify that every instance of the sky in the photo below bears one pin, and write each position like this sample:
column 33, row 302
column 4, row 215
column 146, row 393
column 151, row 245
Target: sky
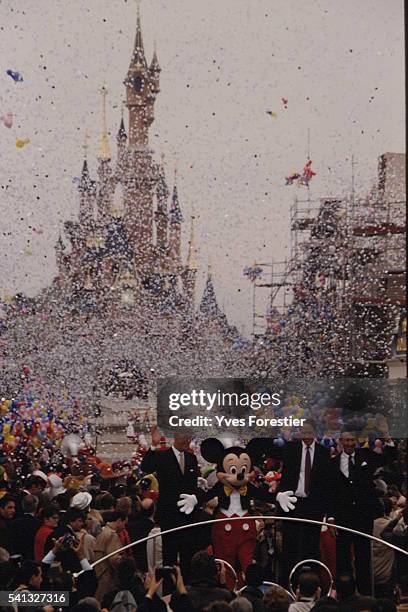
column 224, row 64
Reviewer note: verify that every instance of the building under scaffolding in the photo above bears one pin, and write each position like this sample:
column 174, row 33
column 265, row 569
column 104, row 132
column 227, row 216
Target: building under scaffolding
column 337, row 304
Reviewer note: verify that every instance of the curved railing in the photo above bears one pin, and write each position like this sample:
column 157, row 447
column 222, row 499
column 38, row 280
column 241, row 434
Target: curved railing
column 248, row 518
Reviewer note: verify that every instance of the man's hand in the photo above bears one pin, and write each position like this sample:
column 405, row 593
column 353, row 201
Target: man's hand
column 222, row 572
column 187, row 503
column 79, row 549
column 152, row 585
column 286, row 500
column 179, row 581
column 57, row 545
column 155, row 433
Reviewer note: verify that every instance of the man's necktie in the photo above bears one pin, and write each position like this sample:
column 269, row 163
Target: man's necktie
column 181, row 462
column 351, row 467
column 308, row 470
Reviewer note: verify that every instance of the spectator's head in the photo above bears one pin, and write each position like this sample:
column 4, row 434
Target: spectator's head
column 81, row 500
column 118, row 520
column 7, row 507
column 147, row 507
column 254, row 575
column 345, row 586
column 29, row 574
column 106, row 502
column 385, row 605
column 387, row 506
column 30, row 504
column 204, row 566
column 326, row 604
column 87, row 604
column 50, row 516
column 92, row 525
column 218, row 606
column 309, row 585
column 124, row 504
column 129, row 578
column 241, row 604
column 75, row 518
column 348, row 440
column 35, row 484
column 4, row 555
column 276, row 599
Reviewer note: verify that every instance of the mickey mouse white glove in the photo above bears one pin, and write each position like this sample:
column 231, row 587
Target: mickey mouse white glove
column 286, row 500
column 187, row 503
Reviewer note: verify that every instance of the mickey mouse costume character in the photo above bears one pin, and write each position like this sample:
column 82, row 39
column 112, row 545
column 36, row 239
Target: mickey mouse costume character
column 235, row 540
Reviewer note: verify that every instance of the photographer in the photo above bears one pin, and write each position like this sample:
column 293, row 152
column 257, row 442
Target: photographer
column 86, row 583
column 180, row 600
column 209, row 582
column 69, row 536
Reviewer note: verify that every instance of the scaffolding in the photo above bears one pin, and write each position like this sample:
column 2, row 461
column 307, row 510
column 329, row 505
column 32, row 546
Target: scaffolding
column 342, row 292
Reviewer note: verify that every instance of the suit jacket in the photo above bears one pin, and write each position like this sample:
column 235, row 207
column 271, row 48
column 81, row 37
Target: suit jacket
column 172, row 483
column 24, row 530
column 139, row 528
column 291, row 455
column 355, row 498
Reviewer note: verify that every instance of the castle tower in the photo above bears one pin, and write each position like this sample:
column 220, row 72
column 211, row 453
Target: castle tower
column 189, row 274
column 176, row 219
column 142, row 87
column 86, row 188
column 104, row 168
column 161, row 216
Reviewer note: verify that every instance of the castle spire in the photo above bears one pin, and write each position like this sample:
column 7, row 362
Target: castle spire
column 138, row 57
column 121, row 136
column 209, row 305
column 155, row 66
column 104, row 152
column 191, row 262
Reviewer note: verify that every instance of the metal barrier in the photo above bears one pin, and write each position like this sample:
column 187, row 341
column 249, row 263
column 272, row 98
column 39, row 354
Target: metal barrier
column 292, row 586
column 247, row 518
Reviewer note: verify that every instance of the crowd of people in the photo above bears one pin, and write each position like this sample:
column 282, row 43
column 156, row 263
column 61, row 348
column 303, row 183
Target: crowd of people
column 66, row 527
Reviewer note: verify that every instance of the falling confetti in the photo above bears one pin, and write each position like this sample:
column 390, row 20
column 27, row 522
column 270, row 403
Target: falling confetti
column 16, row 76
column 20, row 143
column 272, row 114
column 285, row 102
column 7, row 120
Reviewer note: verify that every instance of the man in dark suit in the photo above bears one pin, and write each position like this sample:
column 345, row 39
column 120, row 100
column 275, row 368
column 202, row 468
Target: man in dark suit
column 354, row 504
column 25, row 527
column 306, row 471
column 177, row 472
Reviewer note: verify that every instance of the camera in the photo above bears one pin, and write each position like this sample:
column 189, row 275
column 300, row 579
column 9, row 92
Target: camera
column 167, row 571
column 68, row 542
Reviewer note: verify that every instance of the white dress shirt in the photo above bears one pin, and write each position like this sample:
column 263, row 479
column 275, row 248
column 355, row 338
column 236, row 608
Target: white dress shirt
column 235, row 506
column 344, row 462
column 300, row 490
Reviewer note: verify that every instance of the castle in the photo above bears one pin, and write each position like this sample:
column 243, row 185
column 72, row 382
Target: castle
column 125, row 248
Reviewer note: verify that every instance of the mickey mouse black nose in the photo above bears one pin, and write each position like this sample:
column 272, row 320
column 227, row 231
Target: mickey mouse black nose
column 240, row 476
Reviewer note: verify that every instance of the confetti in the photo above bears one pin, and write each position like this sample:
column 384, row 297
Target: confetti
column 16, row 76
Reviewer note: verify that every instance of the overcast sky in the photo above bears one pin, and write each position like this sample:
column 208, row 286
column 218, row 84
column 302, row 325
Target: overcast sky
column 224, row 64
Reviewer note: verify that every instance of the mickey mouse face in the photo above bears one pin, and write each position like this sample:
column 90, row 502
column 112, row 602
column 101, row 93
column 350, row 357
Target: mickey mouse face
column 234, row 464
column 236, row 469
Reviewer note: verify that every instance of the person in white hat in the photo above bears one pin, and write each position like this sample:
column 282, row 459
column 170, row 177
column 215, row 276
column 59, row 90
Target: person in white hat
column 82, row 501
column 55, row 487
